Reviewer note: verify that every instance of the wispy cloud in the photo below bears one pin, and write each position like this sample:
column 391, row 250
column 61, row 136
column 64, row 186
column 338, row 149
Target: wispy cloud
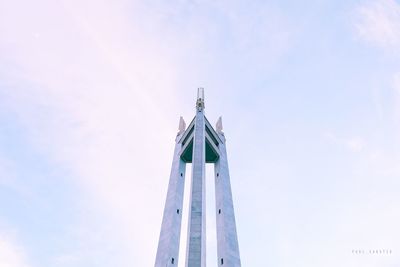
column 88, row 90
column 6, row 173
column 396, row 94
column 378, row 22
column 354, row 144
column 11, row 255
column 9, row 178
column 95, row 87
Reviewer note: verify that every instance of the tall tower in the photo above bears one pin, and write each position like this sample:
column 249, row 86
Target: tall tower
column 198, row 144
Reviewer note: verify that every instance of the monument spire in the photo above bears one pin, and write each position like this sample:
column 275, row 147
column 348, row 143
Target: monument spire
column 198, row 144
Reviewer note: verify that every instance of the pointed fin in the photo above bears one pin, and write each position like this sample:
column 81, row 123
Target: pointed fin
column 182, row 125
column 218, row 126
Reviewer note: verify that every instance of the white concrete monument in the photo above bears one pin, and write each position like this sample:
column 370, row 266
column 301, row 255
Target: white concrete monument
column 198, row 144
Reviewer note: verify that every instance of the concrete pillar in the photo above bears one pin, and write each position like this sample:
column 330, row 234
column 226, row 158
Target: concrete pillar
column 227, row 242
column 168, row 244
column 196, row 245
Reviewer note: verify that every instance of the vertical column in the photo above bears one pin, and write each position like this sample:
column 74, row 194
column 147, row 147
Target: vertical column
column 227, row 242
column 196, row 251
column 168, row 244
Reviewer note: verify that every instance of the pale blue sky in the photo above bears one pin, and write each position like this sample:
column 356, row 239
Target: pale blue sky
column 90, row 98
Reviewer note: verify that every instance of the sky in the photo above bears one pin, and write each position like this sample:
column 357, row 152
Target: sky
column 90, row 98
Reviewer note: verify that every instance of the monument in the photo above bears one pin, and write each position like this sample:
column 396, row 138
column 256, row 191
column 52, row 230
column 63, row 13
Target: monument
column 198, row 144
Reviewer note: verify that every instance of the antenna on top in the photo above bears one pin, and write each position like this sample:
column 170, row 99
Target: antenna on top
column 200, row 93
column 200, row 99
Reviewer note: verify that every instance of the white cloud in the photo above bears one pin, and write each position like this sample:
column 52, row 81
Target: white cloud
column 377, row 160
column 95, row 86
column 378, row 22
column 6, row 173
column 11, row 255
column 396, row 98
column 396, row 83
column 354, row 143
column 9, row 178
column 95, row 95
